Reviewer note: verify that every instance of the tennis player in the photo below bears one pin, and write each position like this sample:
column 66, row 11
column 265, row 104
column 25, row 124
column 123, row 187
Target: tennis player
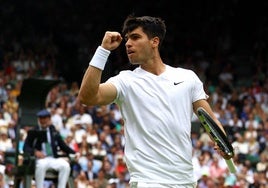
column 156, row 100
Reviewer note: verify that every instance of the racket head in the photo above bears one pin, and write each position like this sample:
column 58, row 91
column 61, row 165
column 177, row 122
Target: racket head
column 215, row 132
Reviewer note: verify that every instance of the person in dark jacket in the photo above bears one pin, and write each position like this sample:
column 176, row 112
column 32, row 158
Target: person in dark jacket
column 45, row 142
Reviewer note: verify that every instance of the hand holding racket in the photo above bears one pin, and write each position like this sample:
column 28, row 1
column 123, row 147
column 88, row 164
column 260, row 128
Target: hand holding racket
column 218, row 136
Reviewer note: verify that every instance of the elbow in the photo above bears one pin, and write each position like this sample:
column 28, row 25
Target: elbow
column 82, row 98
column 85, row 100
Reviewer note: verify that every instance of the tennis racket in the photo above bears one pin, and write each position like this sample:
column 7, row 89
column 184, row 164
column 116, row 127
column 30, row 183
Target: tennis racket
column 218, row 136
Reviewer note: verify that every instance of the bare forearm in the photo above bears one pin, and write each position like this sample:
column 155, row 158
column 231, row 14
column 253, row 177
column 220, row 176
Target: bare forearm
column 90, row 85
column 91, row 91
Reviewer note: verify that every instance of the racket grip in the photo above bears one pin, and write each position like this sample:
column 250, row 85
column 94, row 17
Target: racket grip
column 231, row 165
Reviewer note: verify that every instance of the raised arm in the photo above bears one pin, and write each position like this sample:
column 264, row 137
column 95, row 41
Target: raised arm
column 92, row 92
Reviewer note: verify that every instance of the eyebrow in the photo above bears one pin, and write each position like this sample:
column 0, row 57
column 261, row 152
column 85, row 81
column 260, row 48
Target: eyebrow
column 131, row 35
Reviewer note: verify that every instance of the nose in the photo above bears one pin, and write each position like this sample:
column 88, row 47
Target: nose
column 127, row 43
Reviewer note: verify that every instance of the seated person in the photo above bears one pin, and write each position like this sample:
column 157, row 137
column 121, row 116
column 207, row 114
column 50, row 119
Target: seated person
column 45, row 148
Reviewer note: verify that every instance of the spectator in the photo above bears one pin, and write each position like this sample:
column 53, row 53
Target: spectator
column 108, row 168
column 201, row 168
column 230, row 180
column 101, row 181
column 84, row 146
column 197, row 149
column 262, row 178
column 46, row 151
column 69, row 140
column 2, row 181
column 11, row 105
column 12, row 120
column 118, row 143
column 81, row 181
column 262, row 137
column 2, row 162
column 3, row 122
column 241, row 147
column 116, row 114
column 64, row 131
column 216, row 169
column 5, row 142
column 22, row 136
column 120, row 166
column 205, row 139
column 254, row 148
column 9, row 176
column 250, row 132
column 206, row 182
column 112, row 156
column 85, row 117
column 92, row 136
column 251, row 121
column 108, row 134
column 74, row 89
column 98, row 116
column 245, row 175
column 98, row 150
column 3, row 93
column 96, row 163
column 79, row 130
column 235, row 125
column 56, row 118
column 103, row 142
column 122, row 180
column 256, row 181
column 262, row 165
column 90, row 174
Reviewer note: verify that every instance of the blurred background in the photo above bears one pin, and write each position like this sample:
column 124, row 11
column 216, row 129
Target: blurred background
column 224, row 42
column 66, row 33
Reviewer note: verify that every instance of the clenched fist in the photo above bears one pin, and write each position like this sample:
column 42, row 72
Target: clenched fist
column 111, row 40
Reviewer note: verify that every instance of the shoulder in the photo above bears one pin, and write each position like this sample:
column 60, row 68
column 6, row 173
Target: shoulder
column 128, row 72
column 180, row 69
column 181, row 72
column 123, row 76
column 53, row 129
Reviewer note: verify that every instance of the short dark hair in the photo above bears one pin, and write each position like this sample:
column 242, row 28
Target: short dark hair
column 151, row 26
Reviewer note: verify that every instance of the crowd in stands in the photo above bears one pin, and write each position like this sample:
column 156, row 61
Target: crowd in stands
column 97, row 131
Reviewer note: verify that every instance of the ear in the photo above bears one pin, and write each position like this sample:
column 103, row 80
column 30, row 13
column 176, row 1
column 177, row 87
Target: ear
column 155, row 42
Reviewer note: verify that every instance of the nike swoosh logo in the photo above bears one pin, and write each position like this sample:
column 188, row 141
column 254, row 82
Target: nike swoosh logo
column 176, row 83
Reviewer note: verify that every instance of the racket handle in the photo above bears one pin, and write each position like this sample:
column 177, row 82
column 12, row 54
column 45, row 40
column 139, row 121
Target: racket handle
column 231, row 165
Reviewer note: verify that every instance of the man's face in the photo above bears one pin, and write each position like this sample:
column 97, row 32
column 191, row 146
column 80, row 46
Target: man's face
column 44, row 121
column 138, row 46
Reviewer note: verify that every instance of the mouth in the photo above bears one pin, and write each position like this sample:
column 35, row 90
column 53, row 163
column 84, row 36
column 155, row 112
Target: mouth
column 129, row 52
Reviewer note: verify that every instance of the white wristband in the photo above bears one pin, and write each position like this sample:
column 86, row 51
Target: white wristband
column 100, row 57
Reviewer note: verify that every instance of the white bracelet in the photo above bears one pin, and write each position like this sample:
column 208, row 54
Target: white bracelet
column 100, row 57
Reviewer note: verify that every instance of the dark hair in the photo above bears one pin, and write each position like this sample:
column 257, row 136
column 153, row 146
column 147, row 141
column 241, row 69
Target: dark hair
column 151, row 26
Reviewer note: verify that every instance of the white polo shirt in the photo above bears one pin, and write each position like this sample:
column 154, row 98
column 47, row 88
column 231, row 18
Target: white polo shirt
column 157, row 111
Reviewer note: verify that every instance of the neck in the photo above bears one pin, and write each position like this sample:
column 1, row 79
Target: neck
column 156, row 67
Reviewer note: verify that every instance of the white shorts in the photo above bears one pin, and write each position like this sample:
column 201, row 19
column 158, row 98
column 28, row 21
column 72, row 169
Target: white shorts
column 160, row 185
